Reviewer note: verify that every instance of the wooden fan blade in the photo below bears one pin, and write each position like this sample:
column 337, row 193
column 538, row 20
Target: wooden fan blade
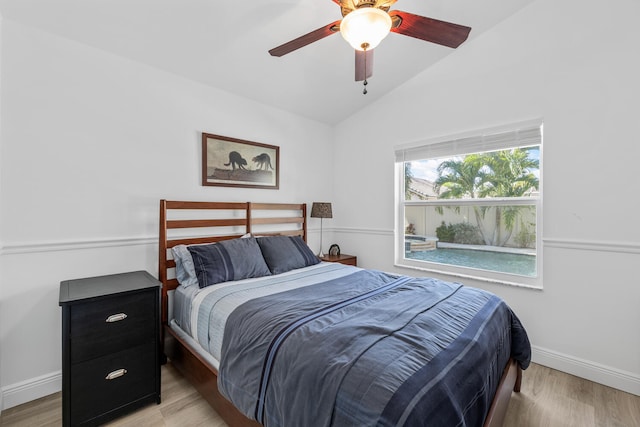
column 361, row 64
column 429, row 29
column 306, row 39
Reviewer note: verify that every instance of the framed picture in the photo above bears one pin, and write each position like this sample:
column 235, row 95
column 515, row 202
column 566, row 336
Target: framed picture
column 232, row 162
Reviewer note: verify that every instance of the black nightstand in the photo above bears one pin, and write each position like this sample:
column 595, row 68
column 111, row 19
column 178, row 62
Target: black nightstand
column 110, row 346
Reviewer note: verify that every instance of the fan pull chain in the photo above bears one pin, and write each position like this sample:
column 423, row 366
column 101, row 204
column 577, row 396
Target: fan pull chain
column 365, row 83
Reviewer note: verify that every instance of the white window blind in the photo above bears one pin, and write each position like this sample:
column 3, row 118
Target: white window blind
column 515, row 135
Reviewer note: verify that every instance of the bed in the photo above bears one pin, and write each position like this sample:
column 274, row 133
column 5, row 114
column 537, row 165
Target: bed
column 294, row 341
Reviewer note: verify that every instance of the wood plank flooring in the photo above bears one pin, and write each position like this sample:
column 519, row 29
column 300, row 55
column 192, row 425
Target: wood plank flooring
column 549, row 398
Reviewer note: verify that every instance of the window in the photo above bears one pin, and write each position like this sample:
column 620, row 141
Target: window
column 470, row 205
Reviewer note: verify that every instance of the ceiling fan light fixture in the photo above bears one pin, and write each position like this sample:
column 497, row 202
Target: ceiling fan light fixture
column 364, row 28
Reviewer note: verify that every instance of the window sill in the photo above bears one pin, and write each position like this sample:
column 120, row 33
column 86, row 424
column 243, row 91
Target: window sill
column 533, row 283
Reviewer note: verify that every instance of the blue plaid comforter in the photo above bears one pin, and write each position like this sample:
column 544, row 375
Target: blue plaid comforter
column 370, row 349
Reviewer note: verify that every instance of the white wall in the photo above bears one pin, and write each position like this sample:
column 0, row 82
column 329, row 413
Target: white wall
column 574, row 64
column 89, row 144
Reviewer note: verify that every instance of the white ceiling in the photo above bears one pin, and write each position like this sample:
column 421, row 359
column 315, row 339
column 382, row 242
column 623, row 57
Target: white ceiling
column 225, row 44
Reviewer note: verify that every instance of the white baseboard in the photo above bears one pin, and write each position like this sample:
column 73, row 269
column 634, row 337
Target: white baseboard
column 621, row 380
column 32, row 389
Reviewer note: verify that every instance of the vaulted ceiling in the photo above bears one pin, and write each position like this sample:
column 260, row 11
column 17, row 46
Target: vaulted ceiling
column 225, row 44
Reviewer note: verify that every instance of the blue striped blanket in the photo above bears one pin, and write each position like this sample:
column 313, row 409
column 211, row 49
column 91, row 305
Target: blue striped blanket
column 369, row 348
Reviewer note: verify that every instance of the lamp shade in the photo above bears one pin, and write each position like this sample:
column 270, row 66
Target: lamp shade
column 365, row 27
column 321, row 210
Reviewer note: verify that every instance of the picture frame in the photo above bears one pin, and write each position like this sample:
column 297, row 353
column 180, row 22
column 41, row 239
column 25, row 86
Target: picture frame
column 233, row 162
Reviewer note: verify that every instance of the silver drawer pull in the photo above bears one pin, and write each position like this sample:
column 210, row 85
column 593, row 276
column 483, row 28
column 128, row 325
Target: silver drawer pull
column 115, row 374
column 116, row 317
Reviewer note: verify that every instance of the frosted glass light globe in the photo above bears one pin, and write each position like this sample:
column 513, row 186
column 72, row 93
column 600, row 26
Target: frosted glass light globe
column 365, row 27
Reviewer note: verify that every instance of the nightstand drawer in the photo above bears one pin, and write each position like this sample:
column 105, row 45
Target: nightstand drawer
column 111, row 324
column 112, row 314
column 89, row 347
column 132, row 374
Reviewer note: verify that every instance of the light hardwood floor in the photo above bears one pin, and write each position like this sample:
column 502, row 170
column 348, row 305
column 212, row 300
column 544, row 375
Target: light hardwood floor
column 548, row 399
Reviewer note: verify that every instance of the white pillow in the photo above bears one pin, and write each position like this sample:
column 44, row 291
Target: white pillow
column 185, row 270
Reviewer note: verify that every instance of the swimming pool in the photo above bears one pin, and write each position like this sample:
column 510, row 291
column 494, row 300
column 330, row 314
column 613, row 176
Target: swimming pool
column 505, row 262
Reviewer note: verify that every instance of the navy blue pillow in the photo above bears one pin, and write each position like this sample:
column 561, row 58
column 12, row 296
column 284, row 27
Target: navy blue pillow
column 284, row 253
column 228, row 260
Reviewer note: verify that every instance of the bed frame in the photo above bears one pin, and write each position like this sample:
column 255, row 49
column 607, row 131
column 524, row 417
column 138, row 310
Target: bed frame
column 207, row 222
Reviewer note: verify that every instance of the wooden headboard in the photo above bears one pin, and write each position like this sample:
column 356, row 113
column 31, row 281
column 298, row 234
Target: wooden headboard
column 187, row 223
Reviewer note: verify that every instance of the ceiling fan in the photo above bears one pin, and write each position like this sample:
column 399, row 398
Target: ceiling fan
column 366, row 22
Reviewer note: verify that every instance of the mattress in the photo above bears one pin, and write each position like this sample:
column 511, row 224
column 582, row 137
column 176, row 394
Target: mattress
column 202, row 314
column 335, row 345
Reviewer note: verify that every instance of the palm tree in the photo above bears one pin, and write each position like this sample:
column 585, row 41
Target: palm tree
column 510, row 176
column 465, row 178
column 459, row 179
column 505, row 173
column 408, row 176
